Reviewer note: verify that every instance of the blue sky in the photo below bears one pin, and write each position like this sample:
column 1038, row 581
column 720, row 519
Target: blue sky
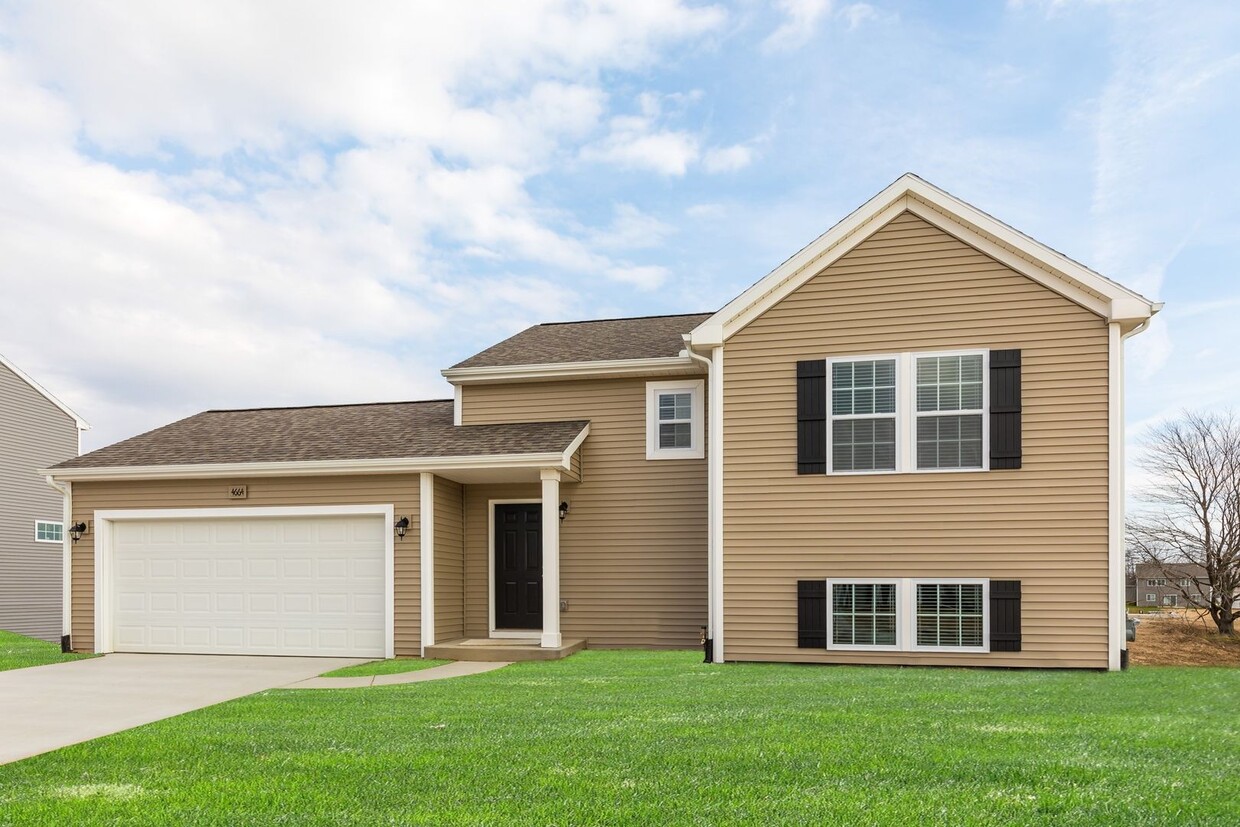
column 232, row 204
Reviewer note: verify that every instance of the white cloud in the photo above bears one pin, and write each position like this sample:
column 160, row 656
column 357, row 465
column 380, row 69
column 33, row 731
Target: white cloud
column 634, row 144
column 801, row 19
column 248, row 205
column 727, row 158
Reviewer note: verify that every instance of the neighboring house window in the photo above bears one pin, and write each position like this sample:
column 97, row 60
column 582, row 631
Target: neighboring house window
column 675, row 417
column 950, row 614
column 907, row 412
column 1169, row 600
column 46, row 531
column 949, row 383
column 1184, row 583
column 1158, row 582
column 863, row 415
column 1151, row 597
column 908, row 614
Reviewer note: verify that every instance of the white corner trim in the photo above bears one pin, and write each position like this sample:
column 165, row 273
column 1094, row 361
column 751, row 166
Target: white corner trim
column 715, row 497
column 697, row 449
column 572, row 370
column 457, row 404
column 82, row 424
column 104, row 520
column 426, row 549
column 1116, row 605
column 1069, row 278
column 66, row 555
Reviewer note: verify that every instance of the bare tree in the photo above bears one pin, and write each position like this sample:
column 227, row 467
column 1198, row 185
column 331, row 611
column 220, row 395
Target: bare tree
column 1192, row 512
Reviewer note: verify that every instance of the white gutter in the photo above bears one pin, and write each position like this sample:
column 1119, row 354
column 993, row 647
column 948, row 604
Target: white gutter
column 66, row 558
column 282, row 469
column 714, row 489
column 570, row 370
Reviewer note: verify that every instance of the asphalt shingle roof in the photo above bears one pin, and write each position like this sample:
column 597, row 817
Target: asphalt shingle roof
column 645, row 337
column 336, row 432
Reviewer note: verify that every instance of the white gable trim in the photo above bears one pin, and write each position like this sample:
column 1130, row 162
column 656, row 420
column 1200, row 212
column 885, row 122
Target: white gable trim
column 1112, row 301
column 82, row 424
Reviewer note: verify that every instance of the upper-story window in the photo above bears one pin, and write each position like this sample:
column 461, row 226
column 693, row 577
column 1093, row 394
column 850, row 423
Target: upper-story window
column 949, row 384
column 675, row 418
column 47, row 531
column 863, row 414
column 907, row 412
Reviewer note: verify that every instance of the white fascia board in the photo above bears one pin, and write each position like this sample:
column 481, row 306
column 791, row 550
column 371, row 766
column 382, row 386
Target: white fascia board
column 82, row 424
column 1076, row 282
column 572, row 370
column 287, row 469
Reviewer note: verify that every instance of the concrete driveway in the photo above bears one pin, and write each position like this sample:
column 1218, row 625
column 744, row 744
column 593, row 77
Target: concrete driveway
column 44, row 708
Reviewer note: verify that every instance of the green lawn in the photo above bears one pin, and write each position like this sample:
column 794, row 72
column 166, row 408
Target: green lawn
column 395, row 666
column 18, row 652
column 649, row 738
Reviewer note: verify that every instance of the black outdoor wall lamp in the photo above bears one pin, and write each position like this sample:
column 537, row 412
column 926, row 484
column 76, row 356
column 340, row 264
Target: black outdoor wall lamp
column 76, row 531
column 563, row 509
column 402, row 525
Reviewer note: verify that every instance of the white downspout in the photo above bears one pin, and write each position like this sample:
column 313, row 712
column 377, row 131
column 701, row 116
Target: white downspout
column 66, row 558
column 714, row 567
column 1117, row 631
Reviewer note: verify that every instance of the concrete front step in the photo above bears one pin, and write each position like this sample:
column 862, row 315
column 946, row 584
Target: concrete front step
column 491, row 649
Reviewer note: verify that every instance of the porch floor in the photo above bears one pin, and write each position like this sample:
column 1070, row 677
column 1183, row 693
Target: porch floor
column 492, row 649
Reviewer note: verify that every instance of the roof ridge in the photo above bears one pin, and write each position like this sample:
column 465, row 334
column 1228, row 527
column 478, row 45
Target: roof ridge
column 310, row 407
column 630, row 318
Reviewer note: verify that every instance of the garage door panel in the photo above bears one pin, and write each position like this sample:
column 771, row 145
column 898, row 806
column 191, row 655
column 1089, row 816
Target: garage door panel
column 250, row 586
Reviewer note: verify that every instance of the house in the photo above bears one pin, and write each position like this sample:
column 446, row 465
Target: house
column 1171, row 584
column 902, row 446
column 36, row 430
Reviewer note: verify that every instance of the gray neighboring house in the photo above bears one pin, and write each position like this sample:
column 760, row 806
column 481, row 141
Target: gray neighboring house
column 1165, row 585
column 36, row 430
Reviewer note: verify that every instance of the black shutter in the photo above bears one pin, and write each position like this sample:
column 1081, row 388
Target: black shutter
column 812, row 417
column 812, row 614
column 1005, row 409
column 1005, row 615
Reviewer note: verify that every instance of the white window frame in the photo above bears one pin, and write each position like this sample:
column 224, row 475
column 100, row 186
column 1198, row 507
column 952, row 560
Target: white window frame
column 917, row 415
column 1156, row 583
column 697, row 447
column 865, row 581
column 906, row 414
column 949, row 581
column 906, row 614
column 1151, row 597
column 38, row 523
column 831, row 417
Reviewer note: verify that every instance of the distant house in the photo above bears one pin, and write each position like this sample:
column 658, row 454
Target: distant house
column 1166, row 584
column 36, row 430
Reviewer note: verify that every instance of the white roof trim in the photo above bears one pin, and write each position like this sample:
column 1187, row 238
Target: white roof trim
column 572, row 370
column 1074, row 281
column 82, row 424
column 399, row 465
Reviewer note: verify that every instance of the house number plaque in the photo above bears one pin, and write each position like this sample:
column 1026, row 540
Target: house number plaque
column 237, row 492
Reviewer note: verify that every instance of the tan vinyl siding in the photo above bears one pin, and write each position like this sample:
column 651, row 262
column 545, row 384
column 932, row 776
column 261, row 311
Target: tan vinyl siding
column 633, row 548
column 401, row 491
column 911, row 287
column 34, row 434
column 449, row 560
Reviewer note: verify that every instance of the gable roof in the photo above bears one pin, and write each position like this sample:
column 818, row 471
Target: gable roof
column 909, row 193
column 597, row 347
column 324, row 434
column 82, row 424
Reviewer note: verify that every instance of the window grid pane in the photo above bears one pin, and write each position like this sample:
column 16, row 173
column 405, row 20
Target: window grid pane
column 50, row 532
column 675, row 406
column 949, row 383
column 863, row 614
column 863, row 389
column 949, row 614
column 675, row 435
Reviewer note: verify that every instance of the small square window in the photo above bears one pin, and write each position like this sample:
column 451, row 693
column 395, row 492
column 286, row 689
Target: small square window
column 46, row 531
column 674, row 420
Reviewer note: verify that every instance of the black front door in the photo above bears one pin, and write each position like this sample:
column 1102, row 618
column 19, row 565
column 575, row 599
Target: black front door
column 518, row 566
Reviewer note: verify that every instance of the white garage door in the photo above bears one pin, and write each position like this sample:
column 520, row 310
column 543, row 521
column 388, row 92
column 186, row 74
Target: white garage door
column 287, row 586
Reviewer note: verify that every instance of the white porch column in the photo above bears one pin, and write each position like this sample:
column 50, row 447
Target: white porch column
column 551, row 558
column 426, row 548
